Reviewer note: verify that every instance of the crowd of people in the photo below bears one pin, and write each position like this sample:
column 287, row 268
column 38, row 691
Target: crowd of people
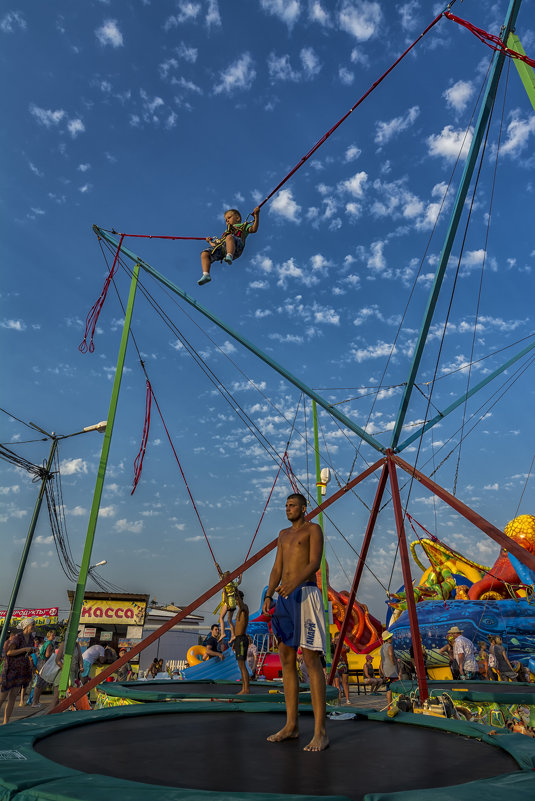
column 32, row 664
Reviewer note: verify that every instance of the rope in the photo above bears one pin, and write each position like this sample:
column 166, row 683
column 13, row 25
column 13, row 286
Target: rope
column 283, row 460
column 151, row 395
column 525, row 485
column 494, row 42
column 155, row 236
column 138, row 462
column 485, row 249
column 184, row 478
column 351, row 110
column 93, row 315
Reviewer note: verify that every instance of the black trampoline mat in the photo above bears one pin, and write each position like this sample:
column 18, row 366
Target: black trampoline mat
column 228, row 751
column 198, row 688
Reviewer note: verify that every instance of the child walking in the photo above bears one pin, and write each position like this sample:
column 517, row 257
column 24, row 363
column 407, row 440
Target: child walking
column 230, row 245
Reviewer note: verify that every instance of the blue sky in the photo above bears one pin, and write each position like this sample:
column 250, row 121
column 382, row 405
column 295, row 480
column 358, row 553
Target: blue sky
column 155, row 117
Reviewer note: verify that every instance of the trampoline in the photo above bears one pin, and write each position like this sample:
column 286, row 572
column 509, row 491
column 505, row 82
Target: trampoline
column 170, row 690
column 221, row 749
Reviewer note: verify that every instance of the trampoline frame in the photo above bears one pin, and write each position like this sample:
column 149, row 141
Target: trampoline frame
column 37, row 777
column 141, row 691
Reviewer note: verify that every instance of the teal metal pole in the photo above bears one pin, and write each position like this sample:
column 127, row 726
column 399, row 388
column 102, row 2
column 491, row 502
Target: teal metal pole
column 27, row 545
column 249, row 345
column 74, row 619
column 323, row 568
column 484, row 114
column 463, row 398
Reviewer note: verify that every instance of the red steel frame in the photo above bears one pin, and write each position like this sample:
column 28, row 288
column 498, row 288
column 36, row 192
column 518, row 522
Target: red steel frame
column 388, row 464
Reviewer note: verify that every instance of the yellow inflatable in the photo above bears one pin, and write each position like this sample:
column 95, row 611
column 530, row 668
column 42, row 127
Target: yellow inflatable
column 196, row 655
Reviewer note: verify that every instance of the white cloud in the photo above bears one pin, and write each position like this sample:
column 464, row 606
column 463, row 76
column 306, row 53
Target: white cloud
column 280, row 69
column 458, row 96
column 227, row 347
column 78, row 511
column 286, row 10
column 47, row 117
column 518, row 132
column 376, row 260
column 109, row 34
column 239, row 76
column 35, row 170
column 310, row 62
column 188, row 12
column 387, row 130
column 326, row 316
column 346, row 76
column 75, row 127
column 107, row 511
column 354, row 185
column 71, row 467
column 8, row 490
column 11, row 21
column 360, row 18
column 408, row 14
column 13, row 325
column 352, row 153
column 187, row 53
column 377, row 351
column 285, row 206
column 449, row 142
column 213, row 16
column 134, row 527
column 367, row 313
column 41, row 540
column 316, row 13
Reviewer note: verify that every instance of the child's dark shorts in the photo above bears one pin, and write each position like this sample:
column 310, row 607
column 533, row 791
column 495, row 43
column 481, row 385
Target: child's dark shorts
column 241, row 646
column 219, row 253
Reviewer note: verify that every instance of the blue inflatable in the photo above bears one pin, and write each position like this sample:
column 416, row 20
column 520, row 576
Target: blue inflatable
column 225, row 669
column 513, row 620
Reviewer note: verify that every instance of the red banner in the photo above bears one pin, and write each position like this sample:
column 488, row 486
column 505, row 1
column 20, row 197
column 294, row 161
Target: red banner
column 43, row 616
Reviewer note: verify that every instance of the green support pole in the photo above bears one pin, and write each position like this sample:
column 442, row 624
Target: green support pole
column 471, row 160
column 527, row 73
column 74, row 619
column 319, row 497
column 27, row 546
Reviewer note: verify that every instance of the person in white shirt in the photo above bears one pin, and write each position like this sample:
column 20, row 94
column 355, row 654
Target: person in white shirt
column 95, row 653
column 464, row 654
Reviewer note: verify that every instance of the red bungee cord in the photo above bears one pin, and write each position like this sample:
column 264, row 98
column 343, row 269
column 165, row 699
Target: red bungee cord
column 138, row 462
column 494, row 42
column 92, row 318
column 95, row 311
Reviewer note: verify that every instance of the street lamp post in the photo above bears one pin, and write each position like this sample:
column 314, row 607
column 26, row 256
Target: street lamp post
column 46, row 476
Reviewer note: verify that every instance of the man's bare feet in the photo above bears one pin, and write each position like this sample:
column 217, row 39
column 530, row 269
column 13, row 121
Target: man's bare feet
column 318, row 743
column 286, row 733
column 244, row 692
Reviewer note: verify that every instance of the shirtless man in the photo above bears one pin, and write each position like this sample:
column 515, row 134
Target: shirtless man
column 298, row 620
column 240, row 643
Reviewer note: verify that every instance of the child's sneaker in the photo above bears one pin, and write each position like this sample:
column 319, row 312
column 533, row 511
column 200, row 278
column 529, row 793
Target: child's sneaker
column 228, row 259
column 204, row 280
